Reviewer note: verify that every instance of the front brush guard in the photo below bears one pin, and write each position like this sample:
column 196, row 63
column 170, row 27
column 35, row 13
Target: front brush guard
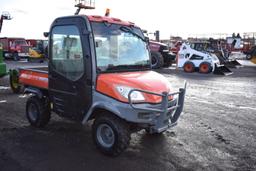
column 165, row 109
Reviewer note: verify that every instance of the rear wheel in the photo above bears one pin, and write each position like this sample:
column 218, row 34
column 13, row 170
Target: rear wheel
column 157, row 60
column 111, row 134
column 38, row 111
column 14, row 81
column 189, row 67
column 205, row 68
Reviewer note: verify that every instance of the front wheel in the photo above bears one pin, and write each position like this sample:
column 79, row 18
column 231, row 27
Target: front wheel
column 16, row 56
column 111, row 134
column 248, row 57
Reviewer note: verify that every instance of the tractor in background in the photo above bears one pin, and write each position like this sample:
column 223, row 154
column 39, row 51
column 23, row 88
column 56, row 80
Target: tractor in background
column 251, row 54
column 3, row 72
column 161, row 56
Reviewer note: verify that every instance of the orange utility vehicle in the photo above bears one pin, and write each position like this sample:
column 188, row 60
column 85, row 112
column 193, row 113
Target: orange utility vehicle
column 100, row 69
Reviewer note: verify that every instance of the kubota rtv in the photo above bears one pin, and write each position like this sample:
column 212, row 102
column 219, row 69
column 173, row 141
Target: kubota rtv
column 100, row 69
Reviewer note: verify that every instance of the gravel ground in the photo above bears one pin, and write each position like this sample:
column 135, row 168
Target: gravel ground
column 217, row 131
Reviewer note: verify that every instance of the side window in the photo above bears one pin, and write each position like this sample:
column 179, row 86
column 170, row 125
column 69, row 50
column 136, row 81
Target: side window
column 67, row 54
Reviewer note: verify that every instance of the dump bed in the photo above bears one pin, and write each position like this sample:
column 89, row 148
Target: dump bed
column 36, row 77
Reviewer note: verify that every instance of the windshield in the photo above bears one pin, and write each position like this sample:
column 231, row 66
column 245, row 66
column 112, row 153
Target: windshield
column 20, row 42
column 120, row 47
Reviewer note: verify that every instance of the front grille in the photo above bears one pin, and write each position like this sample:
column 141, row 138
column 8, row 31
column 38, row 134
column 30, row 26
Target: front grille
column 24, row 49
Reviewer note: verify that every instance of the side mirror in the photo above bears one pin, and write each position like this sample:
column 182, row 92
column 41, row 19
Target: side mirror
column 46, row 34
column 147, row 40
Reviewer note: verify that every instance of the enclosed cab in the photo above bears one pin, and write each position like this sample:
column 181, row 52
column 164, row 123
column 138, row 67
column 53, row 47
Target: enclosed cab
column 15, row 48
column 100, row 69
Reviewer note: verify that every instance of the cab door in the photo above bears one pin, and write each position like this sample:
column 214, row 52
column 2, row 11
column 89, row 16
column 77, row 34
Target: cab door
column 70, row 75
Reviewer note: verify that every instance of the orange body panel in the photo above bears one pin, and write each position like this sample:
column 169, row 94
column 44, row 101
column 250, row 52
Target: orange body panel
column 34, row 78
column 96, row 18
column 146, row 80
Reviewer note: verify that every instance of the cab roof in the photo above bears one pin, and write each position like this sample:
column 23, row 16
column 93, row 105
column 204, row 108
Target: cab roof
column 97, row 18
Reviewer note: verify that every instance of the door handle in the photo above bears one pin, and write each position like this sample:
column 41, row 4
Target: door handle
column 51, row 77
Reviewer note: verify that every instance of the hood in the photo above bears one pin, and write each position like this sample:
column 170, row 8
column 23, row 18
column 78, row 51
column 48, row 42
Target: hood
column 157, row 43
column 155, row 46
column 146, row 80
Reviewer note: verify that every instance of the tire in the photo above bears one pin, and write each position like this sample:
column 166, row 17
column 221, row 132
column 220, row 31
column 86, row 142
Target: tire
column 248, row 57
column 16, row 56
column 14, row 82
column 155, row 134
column 205, row 68
column 38, row 111
column 157, row 60
column 189, row 67
column 118, row 138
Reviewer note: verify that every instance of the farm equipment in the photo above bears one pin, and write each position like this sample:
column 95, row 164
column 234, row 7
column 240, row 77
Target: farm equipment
column 251, row 54
column 2, row 64
column 37, row 50
column 14, row 48
column 3, row 72
column 4, row 16
column 160, row 55
column 192, row 60
column 215, row 46
column 13, row 79
column 100, row 69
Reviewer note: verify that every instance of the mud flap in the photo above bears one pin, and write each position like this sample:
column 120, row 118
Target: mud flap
column 233, row 64
column 222, row 70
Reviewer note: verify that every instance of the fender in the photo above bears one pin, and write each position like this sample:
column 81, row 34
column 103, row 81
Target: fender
column 33, row 90
column 102, row 105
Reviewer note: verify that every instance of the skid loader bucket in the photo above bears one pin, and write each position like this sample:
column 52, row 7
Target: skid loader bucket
column 253, row 60
column 222, row 70
column 233, row 64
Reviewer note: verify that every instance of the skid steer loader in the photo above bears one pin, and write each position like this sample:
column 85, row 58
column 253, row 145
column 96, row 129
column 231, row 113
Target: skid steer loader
column 214, row 47
column 192, row 60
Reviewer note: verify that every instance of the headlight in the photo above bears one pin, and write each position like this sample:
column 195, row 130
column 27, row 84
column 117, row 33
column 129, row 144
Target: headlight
column 135, row 95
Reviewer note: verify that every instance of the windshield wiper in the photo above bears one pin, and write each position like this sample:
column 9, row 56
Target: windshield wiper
column 129, row 30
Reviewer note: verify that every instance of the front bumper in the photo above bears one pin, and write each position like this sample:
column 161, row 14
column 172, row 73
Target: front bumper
column 161, row 116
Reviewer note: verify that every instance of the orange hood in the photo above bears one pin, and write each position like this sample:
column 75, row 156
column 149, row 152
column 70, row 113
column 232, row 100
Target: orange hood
column 146, row 80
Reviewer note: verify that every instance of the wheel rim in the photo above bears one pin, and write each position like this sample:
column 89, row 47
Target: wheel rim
column 188, row 67
column 32, row 112
column 105, row 135
column 153, row 61
column 204, row 68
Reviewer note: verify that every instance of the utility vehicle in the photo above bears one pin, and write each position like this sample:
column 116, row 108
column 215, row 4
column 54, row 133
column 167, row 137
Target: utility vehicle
column 100, row 69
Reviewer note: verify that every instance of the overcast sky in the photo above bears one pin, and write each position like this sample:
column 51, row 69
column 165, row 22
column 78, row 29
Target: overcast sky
column 172, row 17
